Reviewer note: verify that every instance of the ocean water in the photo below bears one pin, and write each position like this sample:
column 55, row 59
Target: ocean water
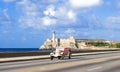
column 22, row 50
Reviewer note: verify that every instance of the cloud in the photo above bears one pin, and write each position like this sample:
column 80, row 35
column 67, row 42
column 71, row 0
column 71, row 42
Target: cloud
column 5, row 18
column 94, row 22
column 118, row 4
column 30, row 22
column 84, row 3
column 32, row 17
column 28, row 7
column 66, row 32
column 112, row 22
column 47, row 21
column 9, row 0
column 29, row 14
column 70, row 31
column 59, row 16
column 50, row 16
column 50, row 11
column 71, row 15
column 6, row 14
column 48, row 1
column 39, row 15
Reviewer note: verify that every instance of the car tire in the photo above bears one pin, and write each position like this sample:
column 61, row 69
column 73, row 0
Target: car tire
column 51, row 57
column 59, row 57
column 69, row 57
column 63, row 56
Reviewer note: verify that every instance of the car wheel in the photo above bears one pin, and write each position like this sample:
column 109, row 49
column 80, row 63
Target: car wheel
column 63, row 56
column 51, row 57
column 69, row 57
column 59, row 57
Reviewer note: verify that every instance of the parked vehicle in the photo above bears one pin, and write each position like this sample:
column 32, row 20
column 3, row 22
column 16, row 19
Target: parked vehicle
column 60, row 53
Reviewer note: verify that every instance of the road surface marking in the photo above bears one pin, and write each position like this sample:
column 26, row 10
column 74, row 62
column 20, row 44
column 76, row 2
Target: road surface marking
column 95, row 68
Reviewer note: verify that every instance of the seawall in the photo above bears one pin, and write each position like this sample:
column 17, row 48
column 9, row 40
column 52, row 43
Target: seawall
column 23, row 54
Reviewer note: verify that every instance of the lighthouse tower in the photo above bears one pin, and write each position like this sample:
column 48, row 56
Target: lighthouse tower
column 54, row 40
column 53, row 36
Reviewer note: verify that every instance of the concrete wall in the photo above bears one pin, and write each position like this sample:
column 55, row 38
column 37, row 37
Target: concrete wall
column 3, row 55
column 6, row 55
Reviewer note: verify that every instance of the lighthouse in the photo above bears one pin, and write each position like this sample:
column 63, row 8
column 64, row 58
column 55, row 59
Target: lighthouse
column 54, row 44
column 53, row 36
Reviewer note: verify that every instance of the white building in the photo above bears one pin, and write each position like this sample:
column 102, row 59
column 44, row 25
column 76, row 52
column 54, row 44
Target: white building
column 57, row 42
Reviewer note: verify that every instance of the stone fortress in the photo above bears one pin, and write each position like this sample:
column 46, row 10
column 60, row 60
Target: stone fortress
column 70, row 42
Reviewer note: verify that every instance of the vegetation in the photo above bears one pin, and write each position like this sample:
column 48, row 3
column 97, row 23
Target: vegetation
column 105, row 44
column 114, row 45
column 99, row 44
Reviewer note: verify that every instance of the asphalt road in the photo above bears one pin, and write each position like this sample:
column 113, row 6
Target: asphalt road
column 109, row 62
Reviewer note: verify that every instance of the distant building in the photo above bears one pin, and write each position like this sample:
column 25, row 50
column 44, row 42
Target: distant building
column 90, row 40
column 70, row 42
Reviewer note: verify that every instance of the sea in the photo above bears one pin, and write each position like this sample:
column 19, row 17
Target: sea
column 22, row 50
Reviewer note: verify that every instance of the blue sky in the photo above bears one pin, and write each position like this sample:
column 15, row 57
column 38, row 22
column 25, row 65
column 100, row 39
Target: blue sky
column 28, row 23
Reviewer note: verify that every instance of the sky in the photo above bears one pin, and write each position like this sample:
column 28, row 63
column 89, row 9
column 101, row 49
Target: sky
column 28, row 23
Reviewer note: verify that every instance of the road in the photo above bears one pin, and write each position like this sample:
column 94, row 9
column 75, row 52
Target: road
column 109, row 62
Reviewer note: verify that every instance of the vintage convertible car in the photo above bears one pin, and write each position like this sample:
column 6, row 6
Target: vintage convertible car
column 60, row 53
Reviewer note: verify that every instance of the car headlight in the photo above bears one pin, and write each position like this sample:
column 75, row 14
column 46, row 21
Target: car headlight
column 51, row 53
column 61, row 53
